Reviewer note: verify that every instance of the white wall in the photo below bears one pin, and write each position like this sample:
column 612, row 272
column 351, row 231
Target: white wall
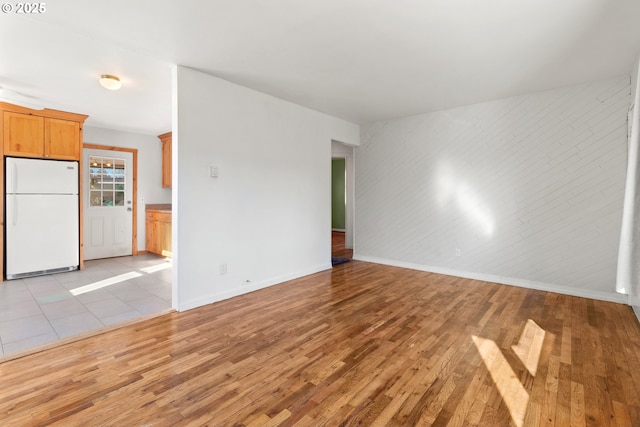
column 345, row 132
column 149, row 167
column 528, row 188
column 268, row 214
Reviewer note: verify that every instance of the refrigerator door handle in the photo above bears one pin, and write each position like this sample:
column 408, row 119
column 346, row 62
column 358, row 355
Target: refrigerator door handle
column 14, row 172
column 14, row 220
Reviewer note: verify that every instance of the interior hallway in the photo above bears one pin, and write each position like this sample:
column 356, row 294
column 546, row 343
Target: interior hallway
column 40, row 310
column 338, row 248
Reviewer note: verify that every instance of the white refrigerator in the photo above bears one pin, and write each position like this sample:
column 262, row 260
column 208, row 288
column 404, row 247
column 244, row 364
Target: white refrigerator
column 41, row 217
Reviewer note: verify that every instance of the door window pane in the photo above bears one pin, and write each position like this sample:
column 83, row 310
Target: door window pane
column 107, row 184
column 95, row 198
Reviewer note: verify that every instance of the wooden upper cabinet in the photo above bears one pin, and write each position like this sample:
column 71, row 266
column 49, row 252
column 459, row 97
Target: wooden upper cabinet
column 23, row 134
column 61, row 139
column 47, row 134
column 165, row 138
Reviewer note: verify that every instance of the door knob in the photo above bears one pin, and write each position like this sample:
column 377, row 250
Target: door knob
column 129, row 209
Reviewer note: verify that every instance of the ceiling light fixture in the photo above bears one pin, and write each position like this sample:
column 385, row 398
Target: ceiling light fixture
column 110, row 82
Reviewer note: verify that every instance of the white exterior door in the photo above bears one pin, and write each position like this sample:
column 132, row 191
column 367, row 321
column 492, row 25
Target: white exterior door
column 108, row 206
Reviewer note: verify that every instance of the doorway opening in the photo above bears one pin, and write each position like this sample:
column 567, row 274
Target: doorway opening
column 342, row 194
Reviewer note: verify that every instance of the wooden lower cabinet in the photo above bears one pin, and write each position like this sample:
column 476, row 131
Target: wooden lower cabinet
column 158, row 231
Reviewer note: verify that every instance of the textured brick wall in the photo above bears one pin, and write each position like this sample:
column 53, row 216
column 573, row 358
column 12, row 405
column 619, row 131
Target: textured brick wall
column 529, row 187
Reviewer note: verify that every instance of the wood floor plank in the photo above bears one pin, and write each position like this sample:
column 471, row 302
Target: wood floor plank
column 362, row 344
column 577, row 405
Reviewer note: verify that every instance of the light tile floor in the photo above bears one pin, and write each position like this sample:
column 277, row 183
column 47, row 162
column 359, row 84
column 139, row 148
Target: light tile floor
column 39, row 310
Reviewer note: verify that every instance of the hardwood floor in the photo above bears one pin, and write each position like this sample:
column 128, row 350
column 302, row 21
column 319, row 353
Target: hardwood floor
column 338, row 248
column 361, row 344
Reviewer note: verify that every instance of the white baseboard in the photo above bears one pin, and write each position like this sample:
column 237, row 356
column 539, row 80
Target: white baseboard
column 250, row 287
column 340, row 230
column 634, row 302
column 513, row 281
column 636, row 310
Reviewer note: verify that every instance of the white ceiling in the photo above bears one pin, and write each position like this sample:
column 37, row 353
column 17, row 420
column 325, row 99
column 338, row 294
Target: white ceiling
column 361, row 60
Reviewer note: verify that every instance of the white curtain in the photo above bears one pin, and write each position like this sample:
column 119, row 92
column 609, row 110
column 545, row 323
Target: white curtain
column 629, row 252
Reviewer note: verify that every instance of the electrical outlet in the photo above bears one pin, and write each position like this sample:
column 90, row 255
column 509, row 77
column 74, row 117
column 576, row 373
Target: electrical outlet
column 458, row 251
column 223, row 268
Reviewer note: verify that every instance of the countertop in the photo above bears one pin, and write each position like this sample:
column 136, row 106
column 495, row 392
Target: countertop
column 159, row 207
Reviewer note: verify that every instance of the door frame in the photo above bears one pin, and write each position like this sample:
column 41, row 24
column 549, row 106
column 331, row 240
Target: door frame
column 348, row 154
column 134, row 217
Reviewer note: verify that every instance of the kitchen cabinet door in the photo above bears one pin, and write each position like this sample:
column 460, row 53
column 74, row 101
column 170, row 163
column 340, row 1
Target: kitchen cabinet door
column 166, row 164
column 23, row 135
column 61, row 139
column 165, row 237
column 153, row 233
column 166, row 138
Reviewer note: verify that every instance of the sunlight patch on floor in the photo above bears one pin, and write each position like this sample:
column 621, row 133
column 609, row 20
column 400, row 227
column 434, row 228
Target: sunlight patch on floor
column 157, row 267
column 511, row 390
column 529, row 346
column 104, row 283
column 165, row 264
